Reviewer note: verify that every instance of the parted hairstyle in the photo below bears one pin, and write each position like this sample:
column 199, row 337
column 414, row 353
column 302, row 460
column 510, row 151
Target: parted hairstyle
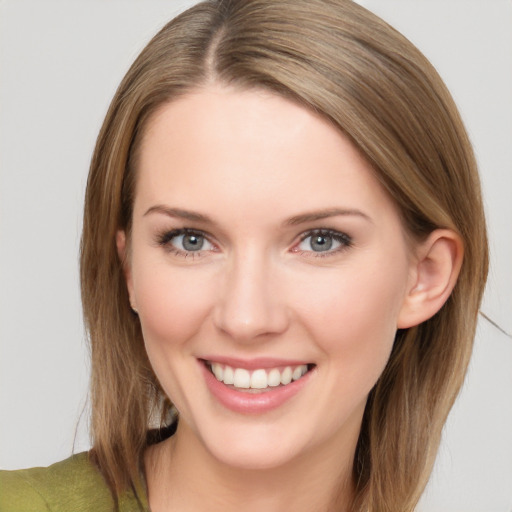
column 346, row 64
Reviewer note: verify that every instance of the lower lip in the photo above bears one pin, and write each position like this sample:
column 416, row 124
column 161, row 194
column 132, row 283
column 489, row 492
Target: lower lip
column 252, row 403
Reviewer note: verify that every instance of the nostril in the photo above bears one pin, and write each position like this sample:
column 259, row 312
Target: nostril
column 247, row 308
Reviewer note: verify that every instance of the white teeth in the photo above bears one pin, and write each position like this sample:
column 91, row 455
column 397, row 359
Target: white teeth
column 258, row 379
column 218, row 371
column 242, row 378
column 274, row 378
column 299, row 372
column 229, row 375
column 286, row 376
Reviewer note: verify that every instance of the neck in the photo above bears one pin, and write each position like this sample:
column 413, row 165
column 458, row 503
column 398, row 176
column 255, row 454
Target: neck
column 183, row 476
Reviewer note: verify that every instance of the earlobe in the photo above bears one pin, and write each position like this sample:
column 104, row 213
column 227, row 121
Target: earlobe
column 122, row 249
column 121, row 245
column 437, row 267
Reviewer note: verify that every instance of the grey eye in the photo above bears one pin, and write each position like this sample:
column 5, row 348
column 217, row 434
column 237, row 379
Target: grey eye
column 191, row 242
column 185, row 241
column 324, row 241
column 319, row 243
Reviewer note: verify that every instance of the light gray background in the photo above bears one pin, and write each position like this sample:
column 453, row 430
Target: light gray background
column 60, row 62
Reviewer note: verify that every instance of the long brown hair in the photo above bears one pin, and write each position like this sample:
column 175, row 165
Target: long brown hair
column 343, row 62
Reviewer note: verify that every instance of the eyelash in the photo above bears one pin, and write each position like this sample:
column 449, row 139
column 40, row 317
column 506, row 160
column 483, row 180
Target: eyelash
column 343, row 239
column 165, row 238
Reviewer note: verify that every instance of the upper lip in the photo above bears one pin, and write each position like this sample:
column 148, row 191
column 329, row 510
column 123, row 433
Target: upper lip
column 255, row 363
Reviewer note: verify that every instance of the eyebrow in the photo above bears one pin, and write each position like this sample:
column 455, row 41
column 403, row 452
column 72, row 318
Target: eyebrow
column 292, row 221
column 179, row 213
column 324, row 214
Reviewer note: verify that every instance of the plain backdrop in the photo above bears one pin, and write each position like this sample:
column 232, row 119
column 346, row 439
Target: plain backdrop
column 60, row 62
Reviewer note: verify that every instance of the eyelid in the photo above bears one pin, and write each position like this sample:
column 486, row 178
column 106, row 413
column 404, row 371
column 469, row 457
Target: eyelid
column 324, row 231
column 169, row 234
column 344, row 239
column 163, row 239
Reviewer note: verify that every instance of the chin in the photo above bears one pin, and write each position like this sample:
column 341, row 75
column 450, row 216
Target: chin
column 250, row 443
column 246, row 453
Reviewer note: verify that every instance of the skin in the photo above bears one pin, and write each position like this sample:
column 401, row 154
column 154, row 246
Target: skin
column 250, row 161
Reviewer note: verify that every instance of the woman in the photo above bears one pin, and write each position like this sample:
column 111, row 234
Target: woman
column 312, row 350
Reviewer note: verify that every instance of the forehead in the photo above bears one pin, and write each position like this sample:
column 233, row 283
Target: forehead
column 247, row 149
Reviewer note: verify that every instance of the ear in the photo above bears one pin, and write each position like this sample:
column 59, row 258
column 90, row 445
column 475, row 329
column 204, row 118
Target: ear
column 122, row 252
column 435, row 271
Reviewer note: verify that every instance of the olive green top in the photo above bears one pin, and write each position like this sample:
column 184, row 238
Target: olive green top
column 73, row 485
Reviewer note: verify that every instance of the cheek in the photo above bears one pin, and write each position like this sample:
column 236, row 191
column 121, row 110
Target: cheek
column 352, row 316
column 171, row 302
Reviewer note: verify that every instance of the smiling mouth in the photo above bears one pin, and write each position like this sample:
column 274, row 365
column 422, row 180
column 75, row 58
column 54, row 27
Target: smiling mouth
column 258, row 380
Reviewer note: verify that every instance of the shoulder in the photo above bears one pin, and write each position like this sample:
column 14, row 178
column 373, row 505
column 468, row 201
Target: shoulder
column 73, row 484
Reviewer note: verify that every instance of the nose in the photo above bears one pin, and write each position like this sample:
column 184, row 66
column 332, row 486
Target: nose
column 249, row 304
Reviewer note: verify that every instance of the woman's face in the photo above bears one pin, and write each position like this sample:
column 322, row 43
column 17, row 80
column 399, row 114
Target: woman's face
column 262, row 248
